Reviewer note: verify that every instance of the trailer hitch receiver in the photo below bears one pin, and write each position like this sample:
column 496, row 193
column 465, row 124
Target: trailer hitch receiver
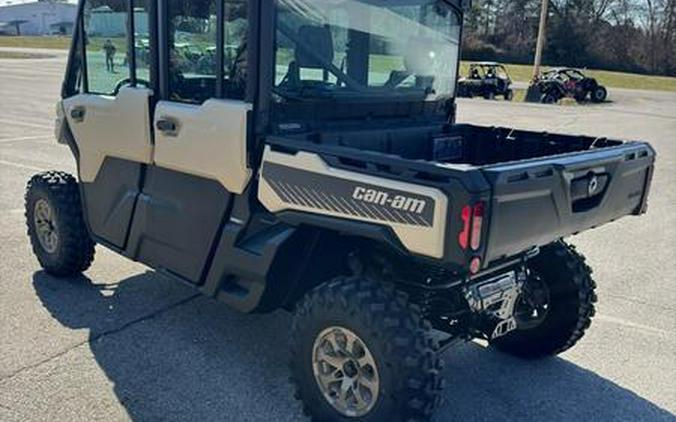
column 496, row 298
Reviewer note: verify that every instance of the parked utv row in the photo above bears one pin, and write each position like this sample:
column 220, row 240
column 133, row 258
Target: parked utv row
column 490, row 80
column 317, row 167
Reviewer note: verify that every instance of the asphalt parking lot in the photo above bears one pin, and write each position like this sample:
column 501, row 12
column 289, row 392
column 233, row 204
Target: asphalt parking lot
column 123, row 343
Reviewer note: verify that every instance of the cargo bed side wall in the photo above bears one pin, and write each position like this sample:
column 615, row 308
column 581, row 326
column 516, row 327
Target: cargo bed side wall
column 455, row 144
column 431, row 234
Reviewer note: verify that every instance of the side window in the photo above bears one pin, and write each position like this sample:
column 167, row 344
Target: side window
column 106, row 41
column 192, row 32
column 235, row 31
column 142, row 42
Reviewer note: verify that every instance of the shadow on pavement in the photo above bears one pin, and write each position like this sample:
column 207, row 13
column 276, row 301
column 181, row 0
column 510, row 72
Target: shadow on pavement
column 201, row 361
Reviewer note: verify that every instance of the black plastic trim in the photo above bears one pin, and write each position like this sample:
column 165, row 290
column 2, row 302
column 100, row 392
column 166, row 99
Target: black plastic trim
column 177, row 220
column 380, row 233
column 110, row 199
column 131, row 41
column 162, row 44
column 68, row 88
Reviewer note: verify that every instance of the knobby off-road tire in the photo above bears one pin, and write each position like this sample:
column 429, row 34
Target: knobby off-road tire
column 599, row 94
column 571, row 305
column 509, row 95
column 550, row 99
column 581, row 98
column 396, row 336
column 55, row 224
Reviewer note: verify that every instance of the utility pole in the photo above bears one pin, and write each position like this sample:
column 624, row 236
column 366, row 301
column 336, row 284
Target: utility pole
column 541, row 38
column 533, row 94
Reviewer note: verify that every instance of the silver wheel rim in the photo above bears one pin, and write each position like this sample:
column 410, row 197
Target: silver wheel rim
column 345, row 371
column 45, row 226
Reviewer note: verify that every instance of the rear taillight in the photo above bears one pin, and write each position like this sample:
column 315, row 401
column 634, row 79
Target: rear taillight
column 477, row 222
column 466, row 216
column 472, row 224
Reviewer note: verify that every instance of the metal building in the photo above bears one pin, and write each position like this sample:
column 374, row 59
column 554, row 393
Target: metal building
column 31, row 17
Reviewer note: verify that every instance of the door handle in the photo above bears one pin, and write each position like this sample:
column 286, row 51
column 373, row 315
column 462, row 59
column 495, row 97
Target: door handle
column 78, row 114
column 168, row 126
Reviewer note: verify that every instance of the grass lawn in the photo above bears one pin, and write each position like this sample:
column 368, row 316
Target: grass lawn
column 521, row 73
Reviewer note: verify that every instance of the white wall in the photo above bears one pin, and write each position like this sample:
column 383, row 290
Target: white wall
column 39, row 15
column 112, row 24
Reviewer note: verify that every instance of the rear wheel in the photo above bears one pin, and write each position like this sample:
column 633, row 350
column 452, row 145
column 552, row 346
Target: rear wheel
column 581, row 97
column 56, row 227
column 361, row 352
column 557, row 305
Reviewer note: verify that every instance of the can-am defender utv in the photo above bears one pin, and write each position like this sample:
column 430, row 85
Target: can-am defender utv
column 305, row 156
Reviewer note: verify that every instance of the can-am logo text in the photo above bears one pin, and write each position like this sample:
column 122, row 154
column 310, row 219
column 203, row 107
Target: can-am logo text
column 397, row 202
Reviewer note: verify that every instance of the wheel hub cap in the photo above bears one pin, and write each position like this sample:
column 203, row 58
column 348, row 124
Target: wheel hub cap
column 533, row 304
column 345, row 371
column 45, row 226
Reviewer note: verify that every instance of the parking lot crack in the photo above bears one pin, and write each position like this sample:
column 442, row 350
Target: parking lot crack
column 641, row 302
column 101, row 335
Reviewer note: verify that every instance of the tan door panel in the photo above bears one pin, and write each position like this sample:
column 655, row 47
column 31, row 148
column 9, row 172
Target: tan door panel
column 209, row 140
column 110, row 126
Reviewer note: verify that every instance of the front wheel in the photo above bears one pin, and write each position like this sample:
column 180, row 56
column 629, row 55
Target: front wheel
column 599, row 94
column 361, row 352
column 509, row 95
column 56, row 226
column 489, row 95
column 556, row 306
column 549, row 98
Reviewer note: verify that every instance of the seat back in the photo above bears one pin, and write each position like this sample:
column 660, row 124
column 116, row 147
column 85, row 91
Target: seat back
column 320, row 41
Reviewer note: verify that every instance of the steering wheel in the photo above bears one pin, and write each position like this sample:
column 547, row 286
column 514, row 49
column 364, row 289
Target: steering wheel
column 127, row 81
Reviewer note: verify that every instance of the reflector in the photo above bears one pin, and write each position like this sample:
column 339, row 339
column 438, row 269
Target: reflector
column 477, row 222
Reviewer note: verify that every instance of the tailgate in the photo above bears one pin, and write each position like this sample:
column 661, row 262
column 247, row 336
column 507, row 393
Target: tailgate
column 538, row 201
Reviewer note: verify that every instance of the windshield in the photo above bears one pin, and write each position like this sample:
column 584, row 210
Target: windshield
column 365, row 49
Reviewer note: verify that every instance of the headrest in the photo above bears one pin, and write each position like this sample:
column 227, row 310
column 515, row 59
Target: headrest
column 319, row 40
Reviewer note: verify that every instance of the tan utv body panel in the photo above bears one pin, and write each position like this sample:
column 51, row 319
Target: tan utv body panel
column 427, row 240
column 210, row 141
column 116, row 126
